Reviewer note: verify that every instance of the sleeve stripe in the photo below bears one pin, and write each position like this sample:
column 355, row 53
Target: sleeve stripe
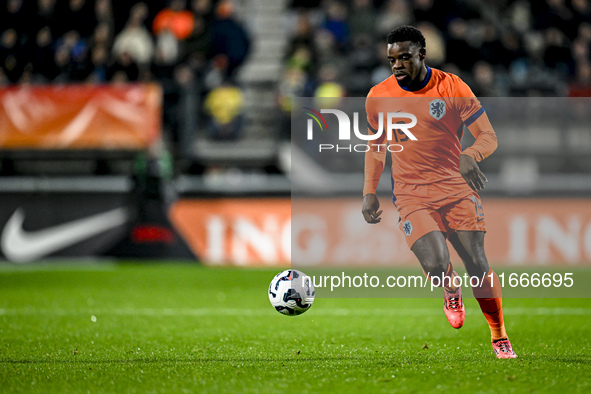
column 371, row 128
column 474, row 116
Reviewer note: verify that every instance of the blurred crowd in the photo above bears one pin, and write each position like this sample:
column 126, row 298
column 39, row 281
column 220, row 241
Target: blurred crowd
column 499, row 47
column 335, row 48
column 182, row 44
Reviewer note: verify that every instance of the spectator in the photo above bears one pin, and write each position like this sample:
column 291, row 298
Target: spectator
column 580, row 52
column 329, row 86
column 336, row 23
column 382, row 69
column 60, row 72
column 512, row 48
column 193, row 50
column 224, row 105
column 77, row 69
column 484, row 80
column 202, row 9
column 303, row 40
column 176, row 90
column 302, row 59
column 46, row 15
column 167, row 48
column 393, row 13
column 436, row 48
column 175, row 19
column 362, row 62
column 102, row 36
column 519, row 17
column 230, row 42
column 103, row 10
column 293, row 83
column 99, row 58
column 557, row 54
column 362, row 20
column 553, row 14
column 81, row 66
column 123, row 69
column 327, row 49
column 12, row 59
column 43, row 55
column 491, row 48
column 582, row 11
column 135, row 40
column 14, row 15
column 162, row 67
column 458, row 50
column 585, row 31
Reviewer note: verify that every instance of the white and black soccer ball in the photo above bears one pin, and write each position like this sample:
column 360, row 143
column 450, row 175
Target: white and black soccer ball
column 291, row 292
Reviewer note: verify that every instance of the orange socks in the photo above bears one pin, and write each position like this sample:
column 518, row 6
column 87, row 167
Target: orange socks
column 489, row 296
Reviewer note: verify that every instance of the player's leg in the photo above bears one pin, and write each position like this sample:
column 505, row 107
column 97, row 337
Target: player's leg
column 467, row 219
column 470, row 247
column 425, row 236
column 433, row 255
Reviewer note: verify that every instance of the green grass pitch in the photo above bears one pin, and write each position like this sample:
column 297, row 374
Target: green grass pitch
column 184, row 328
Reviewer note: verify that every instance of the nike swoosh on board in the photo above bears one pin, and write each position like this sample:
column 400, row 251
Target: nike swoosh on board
column 21, row 246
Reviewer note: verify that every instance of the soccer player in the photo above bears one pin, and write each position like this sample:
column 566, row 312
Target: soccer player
column 434, row 183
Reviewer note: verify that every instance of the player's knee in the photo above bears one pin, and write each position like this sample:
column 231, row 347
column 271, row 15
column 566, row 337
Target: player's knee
column 477, row 267
column 436, row 263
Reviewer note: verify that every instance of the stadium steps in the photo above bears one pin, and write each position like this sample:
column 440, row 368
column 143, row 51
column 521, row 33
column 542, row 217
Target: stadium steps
column 264, row 21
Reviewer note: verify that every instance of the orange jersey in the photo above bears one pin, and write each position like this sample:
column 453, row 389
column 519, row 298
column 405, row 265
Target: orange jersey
column 429, row 166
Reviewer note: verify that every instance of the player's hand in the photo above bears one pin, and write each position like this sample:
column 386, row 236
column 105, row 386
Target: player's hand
column 471, row 173
column 370, row 209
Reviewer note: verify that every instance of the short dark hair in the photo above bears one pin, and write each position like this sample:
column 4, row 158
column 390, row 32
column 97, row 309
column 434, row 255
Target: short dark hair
column 407, row 33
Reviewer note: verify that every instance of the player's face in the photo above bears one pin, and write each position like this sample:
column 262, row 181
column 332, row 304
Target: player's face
column 406, row 61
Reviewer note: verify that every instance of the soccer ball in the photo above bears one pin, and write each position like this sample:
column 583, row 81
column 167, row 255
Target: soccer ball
column 291, row 292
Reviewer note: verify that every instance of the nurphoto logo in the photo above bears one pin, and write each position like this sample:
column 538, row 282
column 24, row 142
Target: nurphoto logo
column 394, row 121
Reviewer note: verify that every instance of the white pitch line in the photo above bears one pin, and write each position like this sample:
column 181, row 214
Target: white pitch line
column 90, row 266
column 152, row 312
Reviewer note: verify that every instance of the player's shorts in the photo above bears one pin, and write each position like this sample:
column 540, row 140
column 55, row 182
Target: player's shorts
column 448, row 216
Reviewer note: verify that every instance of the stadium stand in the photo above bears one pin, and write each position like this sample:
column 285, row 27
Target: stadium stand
column 500, row 48
column 286, row 49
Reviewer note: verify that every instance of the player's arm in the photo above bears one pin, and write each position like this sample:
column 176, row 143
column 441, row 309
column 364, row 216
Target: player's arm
column 375, row 159
column 484, row 146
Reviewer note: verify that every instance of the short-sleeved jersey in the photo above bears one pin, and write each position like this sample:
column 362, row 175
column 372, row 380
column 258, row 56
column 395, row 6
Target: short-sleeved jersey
column 442, row 106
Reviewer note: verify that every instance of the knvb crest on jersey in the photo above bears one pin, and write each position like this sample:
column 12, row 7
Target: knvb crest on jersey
column 407, row 228
column 437, row 109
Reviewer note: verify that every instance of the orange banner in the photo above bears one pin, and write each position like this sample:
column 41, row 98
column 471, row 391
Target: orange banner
column 235, row 232
column 324, row 232
column 80, row 116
